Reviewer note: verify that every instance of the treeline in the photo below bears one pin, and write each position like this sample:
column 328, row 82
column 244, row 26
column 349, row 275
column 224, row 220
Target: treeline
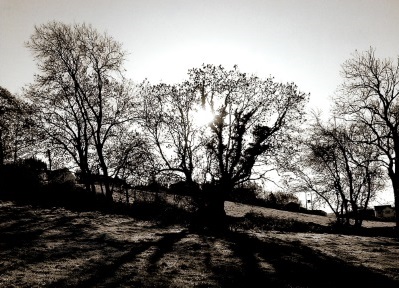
column 215, row 131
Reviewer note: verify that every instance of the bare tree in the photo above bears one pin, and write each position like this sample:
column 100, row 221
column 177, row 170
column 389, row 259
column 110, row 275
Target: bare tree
column 8, row 107
column 17, row 127
column 167, row 117
column 370, row 95
column 80, row 93
column 131, row 160
column 340, row 168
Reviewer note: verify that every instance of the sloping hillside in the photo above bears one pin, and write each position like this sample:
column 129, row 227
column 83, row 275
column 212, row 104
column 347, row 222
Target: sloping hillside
column 239, row 210
column 61, row 248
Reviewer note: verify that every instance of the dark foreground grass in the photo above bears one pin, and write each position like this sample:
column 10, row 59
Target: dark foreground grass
column 58, row 247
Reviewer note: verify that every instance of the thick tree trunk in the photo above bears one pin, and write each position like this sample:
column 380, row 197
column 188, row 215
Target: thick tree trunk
column 395, row 185
column 211, row 215
column 356, row 214
column 396, row 195
column 393, row 172
column 216, row 215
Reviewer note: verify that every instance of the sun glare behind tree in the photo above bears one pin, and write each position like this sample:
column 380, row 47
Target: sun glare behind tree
column 203, row 116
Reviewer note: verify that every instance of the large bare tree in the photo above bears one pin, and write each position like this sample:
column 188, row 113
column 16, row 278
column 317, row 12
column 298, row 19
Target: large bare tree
column 370, row 95
column 80, row 91
column 253, row 122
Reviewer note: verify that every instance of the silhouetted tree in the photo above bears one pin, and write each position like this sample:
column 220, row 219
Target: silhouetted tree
column 131, row 160
column 167, row 117
column 8, row 106
column 370, row 95
column 17, row 128
column 340, row 168
column 80, row 93
column 252, row 124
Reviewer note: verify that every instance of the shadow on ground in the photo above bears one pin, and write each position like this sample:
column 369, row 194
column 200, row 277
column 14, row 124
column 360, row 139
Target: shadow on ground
column 60, row 248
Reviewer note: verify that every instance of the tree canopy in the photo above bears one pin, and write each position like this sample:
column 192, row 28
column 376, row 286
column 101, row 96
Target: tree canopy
column 370, row 95
column 81, row 95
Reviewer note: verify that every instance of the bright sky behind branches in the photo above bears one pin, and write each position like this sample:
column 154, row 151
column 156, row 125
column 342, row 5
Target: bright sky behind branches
column 293, row 40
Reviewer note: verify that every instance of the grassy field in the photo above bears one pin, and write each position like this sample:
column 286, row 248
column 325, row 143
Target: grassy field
column 62, row 248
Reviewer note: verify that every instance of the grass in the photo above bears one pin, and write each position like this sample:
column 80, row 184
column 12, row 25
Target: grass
column 57, row 247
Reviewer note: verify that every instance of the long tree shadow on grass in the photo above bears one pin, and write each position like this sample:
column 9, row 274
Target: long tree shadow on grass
column 112, row 274
column 23, row 241
column 29, row 240
column 107, row 260
column 271, row 263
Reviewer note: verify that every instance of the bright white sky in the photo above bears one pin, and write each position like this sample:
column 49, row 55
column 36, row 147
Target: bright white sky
column 301, row 41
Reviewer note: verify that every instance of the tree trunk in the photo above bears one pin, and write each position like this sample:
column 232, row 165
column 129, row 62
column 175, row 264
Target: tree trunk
column 211, row 215
column 104, row 168
column 216, row 215
column 396, row 196
column 1, row 149
column 337, row 218
column 395, row 185
column 101, row 187
column 87, row 180
column 15, row 152
column 49, row 159
column 356, row 214
column 127, row 195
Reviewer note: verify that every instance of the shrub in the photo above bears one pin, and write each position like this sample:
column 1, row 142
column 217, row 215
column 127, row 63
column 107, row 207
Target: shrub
column 280, row 199
column 23, row 180
column 183, row 188
column 317, row 212
column 247, row 193
column 292, row 206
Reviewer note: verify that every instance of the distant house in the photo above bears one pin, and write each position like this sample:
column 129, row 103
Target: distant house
column 384, row 211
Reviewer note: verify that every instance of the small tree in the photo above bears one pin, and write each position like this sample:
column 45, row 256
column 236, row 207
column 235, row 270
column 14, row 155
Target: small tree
column 167, row 117
column 17, row 127
column 340, row 169
column 131, row 160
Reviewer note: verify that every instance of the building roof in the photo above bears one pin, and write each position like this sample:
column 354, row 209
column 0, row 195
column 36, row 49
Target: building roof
column 381, row 207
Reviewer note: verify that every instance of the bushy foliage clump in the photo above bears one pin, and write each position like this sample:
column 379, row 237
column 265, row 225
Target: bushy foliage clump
column 22, row 180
